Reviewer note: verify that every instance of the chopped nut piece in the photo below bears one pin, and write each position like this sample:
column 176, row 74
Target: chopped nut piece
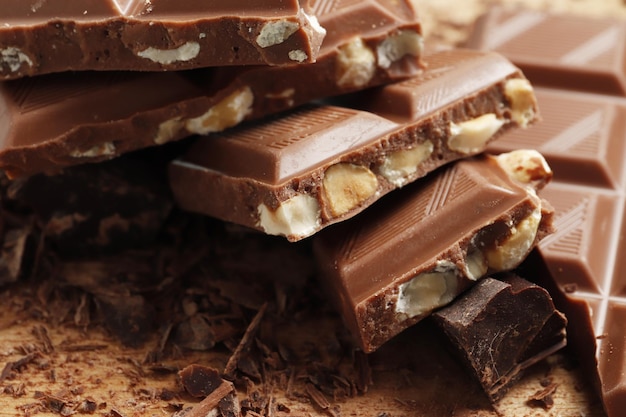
column 400, row 165
column 168, row 130
column 298, row 216
column 428, row 290
column 520, row 93
column 472, row 135
column 103, row 149
column 227, row 113
column 274, row 33
column 185, row 52
column 526, row 166
column 406, row 42
column 346, row 186
column 356, row 64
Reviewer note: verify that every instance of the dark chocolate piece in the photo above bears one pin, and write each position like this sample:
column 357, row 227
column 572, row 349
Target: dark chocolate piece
column 500, row 327
column 199, row 381
column 557, row 50
column 295, row 174
column 38, row 37
column 59, row 120
column 422, row 246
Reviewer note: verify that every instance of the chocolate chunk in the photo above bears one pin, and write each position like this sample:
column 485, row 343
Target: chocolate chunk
column 73, row 118
column 57, row 35
column 97, row 208
column 424, row 245
column 582, row 263
column 199, row 381
column 295, row 174
column 500, row 327
column 558, row 50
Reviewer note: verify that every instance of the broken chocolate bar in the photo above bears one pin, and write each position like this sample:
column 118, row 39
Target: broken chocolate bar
column 582, row 137
column 58, row 35
column 500, row 327
column 422, row 246
column 295, row 174
column 59, row 120
column 558, row 50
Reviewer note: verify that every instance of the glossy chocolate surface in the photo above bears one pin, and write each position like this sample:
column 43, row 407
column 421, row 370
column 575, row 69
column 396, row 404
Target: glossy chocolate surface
column 390, row 136
column 38, row 37
column 422, row 246
column 57, row 120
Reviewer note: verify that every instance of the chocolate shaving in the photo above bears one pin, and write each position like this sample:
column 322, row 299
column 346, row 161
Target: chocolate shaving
column 17, row 365
column 543, row 398
column 212, row 401
column 200, row 381
column 244, row 344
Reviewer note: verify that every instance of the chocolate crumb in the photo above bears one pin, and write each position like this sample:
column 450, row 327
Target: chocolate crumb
column 200, row 381
column 543, row 398
column 244, row 344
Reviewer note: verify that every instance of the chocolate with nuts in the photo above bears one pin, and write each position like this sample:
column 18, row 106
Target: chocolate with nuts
column 295, row 174
column 60, row 35
column 58, row 120
column 422, row 246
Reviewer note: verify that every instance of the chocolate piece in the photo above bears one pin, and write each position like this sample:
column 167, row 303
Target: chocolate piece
column 59, row 35
column 500, row 327
column 199, row 380
column 558, row 50
column 295, row 174
column 97, row 208
column 424, row 245
column 60, row 120
column 577, row 131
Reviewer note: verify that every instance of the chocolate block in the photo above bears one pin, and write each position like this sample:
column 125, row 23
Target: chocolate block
column 59, row 35
column 295, row 174
column 500, row 327
column 422, row 246
column 558, row 50
column 59, row 120
column 577, row 131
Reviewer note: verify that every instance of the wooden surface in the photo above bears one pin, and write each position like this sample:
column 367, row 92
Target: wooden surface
column 55, row 362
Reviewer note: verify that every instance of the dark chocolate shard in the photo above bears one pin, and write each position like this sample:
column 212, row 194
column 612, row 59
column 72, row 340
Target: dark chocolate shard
column 60, row 35
column 564, row 51
column 200, row 381
column 424, row 245
column 49, row 122
column 298, row 173
column 500, row 327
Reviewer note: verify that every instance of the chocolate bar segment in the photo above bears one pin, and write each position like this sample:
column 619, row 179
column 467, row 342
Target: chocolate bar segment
column 58, row 120
column 60, row 35
column 422, row 246
column 558, row 50
column 295, row 174
column 576, row 130
column 500, row 327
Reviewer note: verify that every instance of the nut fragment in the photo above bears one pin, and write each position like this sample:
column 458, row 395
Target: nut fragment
column 398, row 166
column 346, row 186
column 299, row 217
column 102, row 149
column 227, row 113
column 513, row 251
column 405, row 42
column 428, row 290
column 168, row 130
column 356, row 64
column 185, row 52
column 476, row 265
column 472, row 135
column 14, row 58
column 274, row 33
column 526, row 166
column 520, row 94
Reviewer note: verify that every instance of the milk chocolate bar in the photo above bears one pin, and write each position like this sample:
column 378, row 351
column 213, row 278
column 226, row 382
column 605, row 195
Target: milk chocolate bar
column 58, row 120
column 38, row 37
column 558, row 50
column 422, row 246
column 295, row 174
column 500, row 327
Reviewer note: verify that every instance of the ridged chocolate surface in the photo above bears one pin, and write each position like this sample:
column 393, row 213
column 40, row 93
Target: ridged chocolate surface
column 271, row 162
column 582, row 136
column 558, row 50
column 57, row 120
column 429, row 227
column 38, row 37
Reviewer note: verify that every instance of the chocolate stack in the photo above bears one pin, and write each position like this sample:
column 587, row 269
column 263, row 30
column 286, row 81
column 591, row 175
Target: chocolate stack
column 324, row 123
